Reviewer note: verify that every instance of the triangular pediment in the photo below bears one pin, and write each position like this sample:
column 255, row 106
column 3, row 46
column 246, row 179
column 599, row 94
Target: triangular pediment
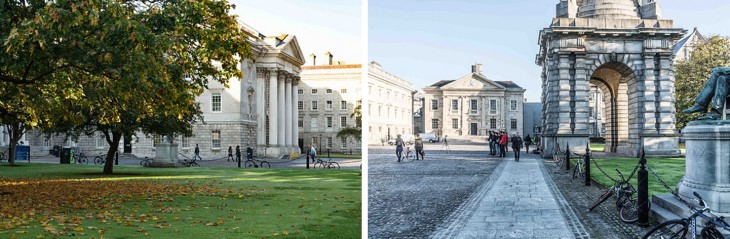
column 472, row 81
column 290, row 46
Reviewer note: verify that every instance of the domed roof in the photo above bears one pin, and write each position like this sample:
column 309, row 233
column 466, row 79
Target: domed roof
column 617, row 9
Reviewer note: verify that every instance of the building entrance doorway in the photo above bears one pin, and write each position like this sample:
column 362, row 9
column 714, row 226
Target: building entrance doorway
column 473, row 129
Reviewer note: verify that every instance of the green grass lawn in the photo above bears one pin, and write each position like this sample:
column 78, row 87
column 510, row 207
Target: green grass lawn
column 62, row 201
column 671, row 170
column 343, row 156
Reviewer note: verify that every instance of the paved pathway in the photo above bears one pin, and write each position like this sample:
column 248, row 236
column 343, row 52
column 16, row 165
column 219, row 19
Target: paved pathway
column 518, row 201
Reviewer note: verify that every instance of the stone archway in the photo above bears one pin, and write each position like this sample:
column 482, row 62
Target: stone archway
column 622, row 48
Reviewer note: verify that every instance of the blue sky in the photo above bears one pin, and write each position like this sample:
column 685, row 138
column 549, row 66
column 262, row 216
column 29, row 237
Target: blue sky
column 424, row 41
column 320, row 26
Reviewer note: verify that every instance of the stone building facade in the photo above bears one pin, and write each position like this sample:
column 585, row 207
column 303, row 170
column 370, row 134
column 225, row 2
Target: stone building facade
column 624, row 48
column 419, row 124
column 328, row 95
column 473, row 105
column 257, row 110
column 390, row 105
column 684, row 48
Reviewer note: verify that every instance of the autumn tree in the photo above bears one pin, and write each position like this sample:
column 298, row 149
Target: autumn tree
column 127, row 60
column 350, row 131
column 691, row 75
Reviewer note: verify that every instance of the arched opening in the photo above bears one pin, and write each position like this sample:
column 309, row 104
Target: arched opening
column 617, row 82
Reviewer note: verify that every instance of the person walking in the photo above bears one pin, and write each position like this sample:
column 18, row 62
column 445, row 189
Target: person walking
column 249, row 152
column 503, row 144
column 313, row 152
column 490, row 142
column 528, row 142
column 197, row 152
column 418, row 144
column 238, row 153
column 398, row 147
column 230, row 154
column 516, row 145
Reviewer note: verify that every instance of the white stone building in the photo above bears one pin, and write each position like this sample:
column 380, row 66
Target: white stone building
column 418, row 109
column 258, row 110
column 684, row 48
column 328, row 95
column 390, row 105
column 473, row 105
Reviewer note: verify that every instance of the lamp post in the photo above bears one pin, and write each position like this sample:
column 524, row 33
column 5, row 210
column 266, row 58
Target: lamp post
column 320, row 143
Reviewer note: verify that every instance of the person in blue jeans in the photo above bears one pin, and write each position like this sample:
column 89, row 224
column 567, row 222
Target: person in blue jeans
column 399, row 147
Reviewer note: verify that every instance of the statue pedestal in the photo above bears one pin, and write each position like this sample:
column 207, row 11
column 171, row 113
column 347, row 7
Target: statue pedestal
column 165, row 155
column 707, row 172
column 707, row 169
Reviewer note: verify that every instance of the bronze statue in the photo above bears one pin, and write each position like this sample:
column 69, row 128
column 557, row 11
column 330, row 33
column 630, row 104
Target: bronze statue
column 717, row 87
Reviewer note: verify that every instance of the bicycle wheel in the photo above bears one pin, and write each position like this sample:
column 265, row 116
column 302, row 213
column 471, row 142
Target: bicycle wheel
column 711, row 233
column 603, row 198
column 410, row 156
column 83, row 160
column 629, row 212
column 98, row 160
column 671, row 229
column 334, row 165
column 194, row 164
column 264, row 164
column 249, row 163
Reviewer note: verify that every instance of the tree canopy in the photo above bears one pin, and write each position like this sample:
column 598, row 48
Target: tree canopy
column 121, row 66
column 691, row 75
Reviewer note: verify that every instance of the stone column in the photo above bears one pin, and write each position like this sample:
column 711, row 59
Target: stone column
column 281, row 128
column 260, row 110
column 273, row 111
column 295, row 114
column 289, row 118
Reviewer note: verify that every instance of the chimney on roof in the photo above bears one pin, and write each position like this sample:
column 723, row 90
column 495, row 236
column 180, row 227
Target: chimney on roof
column 314, row 59
column 476, row 68
column 328, row 54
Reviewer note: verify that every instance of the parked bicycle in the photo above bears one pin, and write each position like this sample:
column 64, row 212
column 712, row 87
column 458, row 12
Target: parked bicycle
column 81, row 159
column 579, row 167
column 146, row 162
column 100, row 159
column 626, row 203
column 255, row 162
column 678, row 228
column 329, row 164
column 190, row 162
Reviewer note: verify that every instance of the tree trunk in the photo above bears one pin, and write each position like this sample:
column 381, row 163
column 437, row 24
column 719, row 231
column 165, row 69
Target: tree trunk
column 15, row 131
column 113, row 148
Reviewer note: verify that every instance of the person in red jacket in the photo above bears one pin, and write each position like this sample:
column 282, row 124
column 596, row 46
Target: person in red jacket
column 503, row 144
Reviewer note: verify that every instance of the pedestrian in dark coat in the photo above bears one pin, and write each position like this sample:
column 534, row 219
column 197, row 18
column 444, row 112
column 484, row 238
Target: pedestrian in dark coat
column 230, row 154
column 528, row 142
column 238, row 153
column 516, row 145
column 249, row 152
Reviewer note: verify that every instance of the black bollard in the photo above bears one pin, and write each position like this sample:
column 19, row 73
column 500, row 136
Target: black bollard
column 587, row 164
column 567, row 156
column 307, row 161
column 643, row 184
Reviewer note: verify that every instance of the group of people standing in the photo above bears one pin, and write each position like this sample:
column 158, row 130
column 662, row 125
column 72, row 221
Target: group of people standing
column 417, row 143
column 498, row 141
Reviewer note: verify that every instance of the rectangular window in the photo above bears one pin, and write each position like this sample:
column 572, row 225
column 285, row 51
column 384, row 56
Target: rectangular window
column 328, row 105
column 328, row 91
column 185, row 142
column 300, row 105
column 343, row 122
column 454, row 123
column 216, row 102
column 301, row 123
column 100, row 141
column 513, row 123
column 513, row 105
column 47, row 142
column 454, row 105
column 343, row 143
column 314, row 123
column 492, row 123
column 156, row 140
column 215, row 137
column 343, row 91
column 473, row 106
column 590, row 111
column 329, row 122
column 435, row 123
column 300, row 91
column 343, row 105
column 434, row 104
column 492, row 106
column 314, row 105
column 314, row 91
column 329, row 142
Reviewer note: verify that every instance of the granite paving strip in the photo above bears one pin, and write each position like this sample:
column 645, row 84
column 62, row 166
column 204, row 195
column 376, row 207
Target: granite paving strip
column 519, row 201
